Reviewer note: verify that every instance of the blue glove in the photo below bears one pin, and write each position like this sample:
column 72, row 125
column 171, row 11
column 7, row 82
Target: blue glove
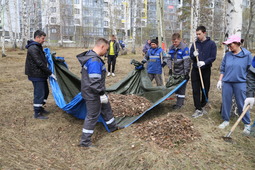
column 163, row 64
column 139, row 67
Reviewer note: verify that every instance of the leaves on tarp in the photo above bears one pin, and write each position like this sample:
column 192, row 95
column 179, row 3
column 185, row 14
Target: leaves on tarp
column 167, row 132
column 128, row 105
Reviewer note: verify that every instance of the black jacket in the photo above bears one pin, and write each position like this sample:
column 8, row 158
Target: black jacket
column 36, row 62
column 250, row 80
column 116, row 48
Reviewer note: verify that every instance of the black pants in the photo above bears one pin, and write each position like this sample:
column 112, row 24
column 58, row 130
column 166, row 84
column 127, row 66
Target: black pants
column 41, row 93
column 111, row 61
column 197, row 87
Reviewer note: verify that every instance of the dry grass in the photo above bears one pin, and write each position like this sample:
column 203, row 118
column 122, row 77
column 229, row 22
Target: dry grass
column 27, row 143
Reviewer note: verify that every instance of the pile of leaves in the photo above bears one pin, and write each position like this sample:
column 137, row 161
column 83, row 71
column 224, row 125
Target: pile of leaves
column 128, row 105
column 168, row 132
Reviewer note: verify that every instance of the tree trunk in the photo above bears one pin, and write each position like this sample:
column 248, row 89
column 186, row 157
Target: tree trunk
column 194, row 19
column 251, row 15
column 134, row 27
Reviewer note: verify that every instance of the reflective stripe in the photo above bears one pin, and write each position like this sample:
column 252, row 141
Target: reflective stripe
column 154, row 56
column 37, row 105
column 110, row 121
column 179, row 59
column 181, row 96
column 185, row 57
column 87, row 131
column 85, row 67
column 94, row 75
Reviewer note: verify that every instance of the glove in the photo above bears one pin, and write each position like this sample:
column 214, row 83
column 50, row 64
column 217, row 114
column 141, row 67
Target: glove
column 163, row 64
column 53, row 76
column 143, row 61
column 219, row 85
column 170, row 72
column 104, row 99
column 195, row 53
column 187, row 77
column 248, row 100
column 200, row 63
column 139, row 67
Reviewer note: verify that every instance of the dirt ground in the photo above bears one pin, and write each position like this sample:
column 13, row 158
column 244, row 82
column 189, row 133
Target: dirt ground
column 27, row 143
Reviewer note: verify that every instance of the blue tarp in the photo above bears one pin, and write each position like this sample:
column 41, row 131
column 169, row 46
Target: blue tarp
column 76, row 106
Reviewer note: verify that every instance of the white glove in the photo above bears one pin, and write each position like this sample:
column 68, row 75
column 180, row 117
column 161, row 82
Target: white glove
column 219, row 85
column 200, row 63
column 104, row 99
column 195, row 53
column 250, row 101
column 53, row 76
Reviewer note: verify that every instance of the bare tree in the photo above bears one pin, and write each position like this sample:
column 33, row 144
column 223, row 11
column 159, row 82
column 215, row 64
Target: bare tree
column 251, row 16
column 2, row 6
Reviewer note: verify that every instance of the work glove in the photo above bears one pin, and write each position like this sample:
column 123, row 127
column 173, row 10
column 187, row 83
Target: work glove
column 170, row 72
column 53, row 76
column 139, row 67
column 195, row 53
column 103, row 99
column 143, row 61
column 187, row 77
column 163, row 64
column 250, row 101
column 200, row 63
column 219, row 85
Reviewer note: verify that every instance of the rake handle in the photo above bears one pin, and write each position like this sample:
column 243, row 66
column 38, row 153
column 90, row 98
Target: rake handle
column 239, row 119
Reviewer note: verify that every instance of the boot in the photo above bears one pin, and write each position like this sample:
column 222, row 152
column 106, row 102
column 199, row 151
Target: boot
column 86, row 140
column 43, row 111
column 40, row 116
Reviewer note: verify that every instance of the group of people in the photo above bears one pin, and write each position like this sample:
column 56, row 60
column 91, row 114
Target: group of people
column 233, row 80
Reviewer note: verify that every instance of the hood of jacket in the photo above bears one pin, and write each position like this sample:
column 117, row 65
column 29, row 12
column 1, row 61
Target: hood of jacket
column 85, row 56
column 31, row 42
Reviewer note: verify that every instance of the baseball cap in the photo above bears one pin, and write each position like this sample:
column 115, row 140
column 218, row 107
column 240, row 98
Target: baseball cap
column 232, row 38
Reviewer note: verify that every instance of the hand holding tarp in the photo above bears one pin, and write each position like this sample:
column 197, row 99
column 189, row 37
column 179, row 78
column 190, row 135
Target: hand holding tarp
column 53, row 76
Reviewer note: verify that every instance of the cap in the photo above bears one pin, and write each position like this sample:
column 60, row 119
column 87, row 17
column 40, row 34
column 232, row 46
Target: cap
column 232, row 38
column 154, row 41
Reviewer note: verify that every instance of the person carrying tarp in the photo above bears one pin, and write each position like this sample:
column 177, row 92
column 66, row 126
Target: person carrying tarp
column 155, row 64
column 37, row 71
column 180, row 59
column 93, row 91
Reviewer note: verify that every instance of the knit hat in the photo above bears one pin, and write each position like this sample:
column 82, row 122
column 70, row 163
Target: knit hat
column 154, row 41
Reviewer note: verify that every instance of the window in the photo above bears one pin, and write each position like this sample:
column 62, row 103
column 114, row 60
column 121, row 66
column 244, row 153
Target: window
column 76, row 1
column 53, row 9
column 53, row 20
column 77, row 21
column 53, row 30
column 106, row 23
column 76, row 11
column 106, row 13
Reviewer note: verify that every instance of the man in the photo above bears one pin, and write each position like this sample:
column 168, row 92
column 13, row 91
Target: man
column 250, row 89
column 206, row 52
column 93, row 90
column 154, row 66
column 112, row 55
column 37, row 71
column 180, row 59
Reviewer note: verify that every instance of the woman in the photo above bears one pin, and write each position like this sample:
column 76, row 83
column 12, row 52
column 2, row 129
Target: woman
column 232, row 80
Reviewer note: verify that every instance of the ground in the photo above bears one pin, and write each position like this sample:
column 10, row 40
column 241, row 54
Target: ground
column 27, row 143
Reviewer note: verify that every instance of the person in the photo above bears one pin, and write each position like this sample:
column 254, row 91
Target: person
column 112, row 54
column 122, row 44
column 180, row 59
column 154, row 66
column 93, row 91
column 146, row 47
column 206, row 53
column 37, row 71
column 250, row 89
column 232, row 80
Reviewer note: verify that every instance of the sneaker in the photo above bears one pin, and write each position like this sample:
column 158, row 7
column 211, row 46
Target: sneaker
column 223, row 124
column 247, row 129
column 197, row 113
column 176, row 107
column 108, row 74
column 113, row 74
